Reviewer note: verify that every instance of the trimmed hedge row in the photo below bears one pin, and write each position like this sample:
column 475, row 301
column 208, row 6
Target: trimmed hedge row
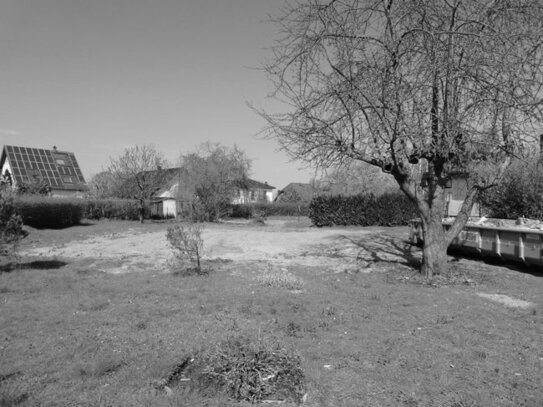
column 268, row 209
column 123, row 209
column 393, row 209
column 48, row 213
column 57, row 213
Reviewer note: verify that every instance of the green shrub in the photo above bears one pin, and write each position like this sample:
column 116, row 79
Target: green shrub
column 49, row 213
column 11, row 225
column 519, row 195
column 121, row 209
column 241, row 211
column 393, row 209
column 247, row 211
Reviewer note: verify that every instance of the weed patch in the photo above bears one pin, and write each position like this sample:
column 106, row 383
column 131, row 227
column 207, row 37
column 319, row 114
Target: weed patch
column 281, row 278
column 246, row 370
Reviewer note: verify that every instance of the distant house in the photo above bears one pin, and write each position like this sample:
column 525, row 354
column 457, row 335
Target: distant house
column 167, row 201
column 58, row 169
column 172, row 197
column 296, row 192
column 251, row 191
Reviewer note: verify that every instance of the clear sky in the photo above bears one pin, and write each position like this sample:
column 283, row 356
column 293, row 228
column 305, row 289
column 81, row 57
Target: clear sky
column 97, row 76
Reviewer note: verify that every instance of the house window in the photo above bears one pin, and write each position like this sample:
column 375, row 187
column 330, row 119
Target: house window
column 67, row 180
column 60, row 159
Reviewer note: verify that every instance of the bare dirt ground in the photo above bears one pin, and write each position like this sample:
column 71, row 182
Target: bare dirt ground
column 279, row 241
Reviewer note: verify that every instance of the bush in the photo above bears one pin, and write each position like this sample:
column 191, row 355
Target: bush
column 11, row 225
column 187, row 243
column 247, row 211
column 122, row 209
column 393, row 209
column 253, row 371
column 49, row 213
column 519, row 195
column 280, row 278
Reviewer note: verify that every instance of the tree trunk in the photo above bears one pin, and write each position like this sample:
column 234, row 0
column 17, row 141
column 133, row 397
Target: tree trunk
column 434, row 259
column 142, row 210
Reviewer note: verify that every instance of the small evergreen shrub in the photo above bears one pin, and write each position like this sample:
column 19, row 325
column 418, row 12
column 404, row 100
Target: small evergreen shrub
column 393, row 209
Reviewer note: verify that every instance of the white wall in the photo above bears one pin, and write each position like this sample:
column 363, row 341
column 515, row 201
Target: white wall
column 169, row 208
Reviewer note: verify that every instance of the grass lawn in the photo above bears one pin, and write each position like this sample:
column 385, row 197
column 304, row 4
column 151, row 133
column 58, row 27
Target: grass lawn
column 72, row 335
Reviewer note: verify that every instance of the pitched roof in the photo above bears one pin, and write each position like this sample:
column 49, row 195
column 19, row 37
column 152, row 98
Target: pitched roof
column 58, row 168
column 304, row 191
column 252, row 184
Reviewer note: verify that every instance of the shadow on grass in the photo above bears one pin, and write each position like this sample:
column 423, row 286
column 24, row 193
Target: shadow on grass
column 386, row 249
column 32, row 265
column 393, row 250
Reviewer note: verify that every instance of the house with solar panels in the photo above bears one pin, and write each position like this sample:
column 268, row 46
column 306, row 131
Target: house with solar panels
column 59, row 169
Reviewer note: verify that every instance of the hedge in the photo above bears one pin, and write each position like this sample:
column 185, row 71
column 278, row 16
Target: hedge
column 393, row 209
column 122, row 209
column 269, row 209
column 56, row 213
column 48, row 213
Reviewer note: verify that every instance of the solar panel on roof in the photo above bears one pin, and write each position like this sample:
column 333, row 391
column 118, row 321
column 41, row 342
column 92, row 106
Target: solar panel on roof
column 28, row 163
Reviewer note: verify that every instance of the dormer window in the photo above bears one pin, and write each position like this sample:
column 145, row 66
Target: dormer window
column 60, row 159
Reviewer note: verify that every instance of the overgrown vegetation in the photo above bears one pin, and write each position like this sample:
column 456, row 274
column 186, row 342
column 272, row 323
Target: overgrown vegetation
column 393, row 209
column 251, row 370
column 11, row 224
column 187, row 243
column 519, row 195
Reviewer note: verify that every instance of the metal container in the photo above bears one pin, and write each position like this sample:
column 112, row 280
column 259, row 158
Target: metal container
column 517, row 244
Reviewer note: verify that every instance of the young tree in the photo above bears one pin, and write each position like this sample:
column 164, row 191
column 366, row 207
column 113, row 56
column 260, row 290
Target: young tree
column 213, row 175
column 452, row 84
column 138, row 171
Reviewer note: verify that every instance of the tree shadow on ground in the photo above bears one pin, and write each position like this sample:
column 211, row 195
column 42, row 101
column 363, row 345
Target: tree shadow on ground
column 386, row 249
column 32, row 265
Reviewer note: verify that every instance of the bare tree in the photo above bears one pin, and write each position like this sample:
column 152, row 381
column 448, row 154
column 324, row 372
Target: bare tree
column 213, row 175
column 103, row 185
column 138, row 171
column 453, row 84
column 356, row 178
